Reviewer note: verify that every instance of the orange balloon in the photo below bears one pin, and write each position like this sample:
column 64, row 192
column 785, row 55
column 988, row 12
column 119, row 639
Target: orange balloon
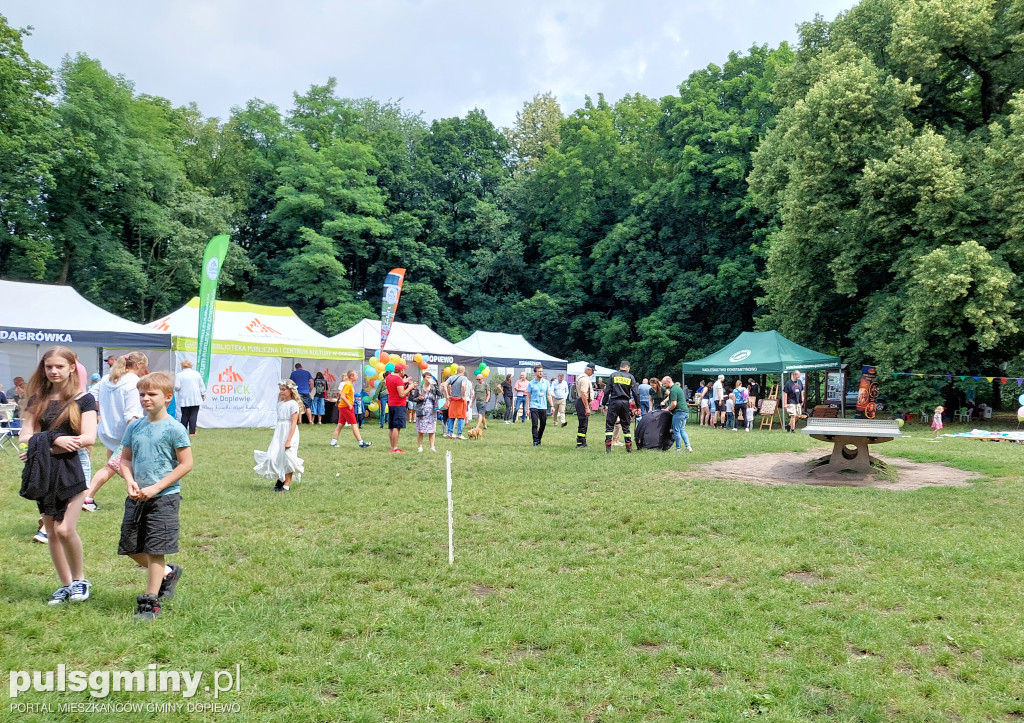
column 385, row 357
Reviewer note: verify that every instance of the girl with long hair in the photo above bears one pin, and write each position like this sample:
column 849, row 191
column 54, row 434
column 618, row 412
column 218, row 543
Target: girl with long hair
column 59, row 420
column 119, row 406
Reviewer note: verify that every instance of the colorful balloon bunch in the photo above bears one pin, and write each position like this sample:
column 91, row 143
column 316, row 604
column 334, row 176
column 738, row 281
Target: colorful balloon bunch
column 482, row 370
column 381, row 364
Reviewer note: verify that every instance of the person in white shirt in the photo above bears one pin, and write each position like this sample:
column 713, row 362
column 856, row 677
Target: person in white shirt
column 191, row 392
column 718, row 396
column 119, row 406
column 559, row 393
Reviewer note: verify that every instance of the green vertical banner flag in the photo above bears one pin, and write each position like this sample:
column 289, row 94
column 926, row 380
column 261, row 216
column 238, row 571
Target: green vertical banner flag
column 213, row 259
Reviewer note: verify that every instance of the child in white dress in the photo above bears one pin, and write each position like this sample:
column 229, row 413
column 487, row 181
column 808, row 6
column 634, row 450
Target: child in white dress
column 281, row 461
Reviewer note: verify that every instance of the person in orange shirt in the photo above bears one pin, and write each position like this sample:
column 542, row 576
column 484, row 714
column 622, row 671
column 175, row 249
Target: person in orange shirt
column 347, row 409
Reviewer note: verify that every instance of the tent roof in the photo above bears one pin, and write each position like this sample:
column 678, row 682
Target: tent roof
column 411, row 338
column 507, row 350
column 49, row 314
column 761, row 352
column 252, row 330
column 576, row 368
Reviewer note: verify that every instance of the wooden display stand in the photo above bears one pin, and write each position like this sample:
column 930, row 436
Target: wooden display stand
column 768, row 408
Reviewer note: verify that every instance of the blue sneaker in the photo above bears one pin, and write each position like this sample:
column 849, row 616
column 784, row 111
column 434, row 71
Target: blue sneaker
column 60, row 596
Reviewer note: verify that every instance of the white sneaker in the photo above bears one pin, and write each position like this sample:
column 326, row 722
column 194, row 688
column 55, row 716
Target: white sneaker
column 433, row 449
column 689, row 449
column 79, row 590
column 334, row 443
column 419, row 449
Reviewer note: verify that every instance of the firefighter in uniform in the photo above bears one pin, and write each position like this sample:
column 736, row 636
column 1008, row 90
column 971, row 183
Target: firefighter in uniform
column 584, row 395
column 621, row 387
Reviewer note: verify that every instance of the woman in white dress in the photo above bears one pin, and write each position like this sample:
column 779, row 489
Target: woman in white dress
column 281, row 461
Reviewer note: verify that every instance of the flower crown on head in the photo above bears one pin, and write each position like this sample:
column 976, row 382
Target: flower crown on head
column 288, row 383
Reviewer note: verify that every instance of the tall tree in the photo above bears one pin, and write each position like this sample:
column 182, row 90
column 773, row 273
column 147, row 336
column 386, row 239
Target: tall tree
column 28, row 150
column 535, row 132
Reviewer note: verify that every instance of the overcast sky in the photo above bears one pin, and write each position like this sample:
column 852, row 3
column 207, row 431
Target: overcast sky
column 441, row 57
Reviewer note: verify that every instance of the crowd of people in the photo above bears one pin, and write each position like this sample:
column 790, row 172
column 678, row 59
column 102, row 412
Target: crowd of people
column 128, row 411
column 721, row 404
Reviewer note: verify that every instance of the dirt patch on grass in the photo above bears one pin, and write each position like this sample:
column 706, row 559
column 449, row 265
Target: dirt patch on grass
column 793, row 468
column 481, row 591
column 860, row 653
column 649, row 647
column 807, row 578
column 522, row 654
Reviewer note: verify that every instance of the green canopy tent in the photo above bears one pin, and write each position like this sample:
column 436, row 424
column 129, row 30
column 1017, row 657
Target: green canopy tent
column 761, row 352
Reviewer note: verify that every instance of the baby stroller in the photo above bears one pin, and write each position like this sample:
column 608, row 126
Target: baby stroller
column 654, row 431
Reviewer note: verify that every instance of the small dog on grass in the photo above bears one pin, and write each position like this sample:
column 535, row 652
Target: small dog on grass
column 475, row 433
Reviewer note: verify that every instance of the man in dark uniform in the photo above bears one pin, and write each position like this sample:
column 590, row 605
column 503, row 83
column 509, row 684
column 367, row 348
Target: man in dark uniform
column 584, row 395
column 621, row 387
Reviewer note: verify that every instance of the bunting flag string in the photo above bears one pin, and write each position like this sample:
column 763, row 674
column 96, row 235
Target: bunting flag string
column 961, row 377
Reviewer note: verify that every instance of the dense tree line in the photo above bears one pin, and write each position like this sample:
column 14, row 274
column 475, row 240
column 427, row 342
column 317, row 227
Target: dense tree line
column 862, row 192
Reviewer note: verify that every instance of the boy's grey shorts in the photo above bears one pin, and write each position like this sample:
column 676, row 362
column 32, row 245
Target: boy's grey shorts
column 150, row 526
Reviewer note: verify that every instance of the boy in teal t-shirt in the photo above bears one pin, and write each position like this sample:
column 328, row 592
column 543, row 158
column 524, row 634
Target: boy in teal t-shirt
column 156, row 455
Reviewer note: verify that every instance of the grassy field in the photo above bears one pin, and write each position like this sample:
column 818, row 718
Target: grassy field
column 586, row 587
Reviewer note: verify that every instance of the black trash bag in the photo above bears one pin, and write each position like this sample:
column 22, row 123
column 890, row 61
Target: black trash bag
column 654, row 431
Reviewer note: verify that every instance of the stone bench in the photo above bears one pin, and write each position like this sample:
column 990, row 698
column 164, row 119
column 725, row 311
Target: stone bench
column 850, row 438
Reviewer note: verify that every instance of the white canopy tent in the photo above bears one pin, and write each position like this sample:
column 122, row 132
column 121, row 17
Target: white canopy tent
column 576, row 368
column 34, row 317
column 406, row 340
column 254, row 347
column 510, row 353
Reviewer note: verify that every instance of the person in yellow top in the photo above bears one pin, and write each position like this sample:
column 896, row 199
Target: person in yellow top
column 347, row 409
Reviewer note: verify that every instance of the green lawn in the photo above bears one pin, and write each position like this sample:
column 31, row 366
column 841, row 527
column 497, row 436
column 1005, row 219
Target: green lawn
column 585, row 587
